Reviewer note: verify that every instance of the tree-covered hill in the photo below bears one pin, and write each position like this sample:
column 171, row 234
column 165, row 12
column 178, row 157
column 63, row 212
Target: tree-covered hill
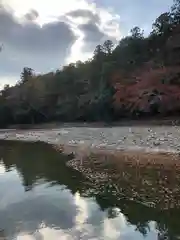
column 138, row 77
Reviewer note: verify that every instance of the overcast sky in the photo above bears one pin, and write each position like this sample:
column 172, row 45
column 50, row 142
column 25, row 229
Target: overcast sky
column 45, row 34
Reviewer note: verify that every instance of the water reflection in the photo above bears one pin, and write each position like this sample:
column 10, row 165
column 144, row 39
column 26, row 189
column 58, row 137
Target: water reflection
column 42, row 198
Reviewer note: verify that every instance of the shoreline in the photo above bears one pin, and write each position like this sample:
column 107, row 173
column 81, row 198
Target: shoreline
column 110, row 168
column 123, row 123
column 110, row 140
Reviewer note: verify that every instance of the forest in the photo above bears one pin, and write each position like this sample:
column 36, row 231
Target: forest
column 137, row 78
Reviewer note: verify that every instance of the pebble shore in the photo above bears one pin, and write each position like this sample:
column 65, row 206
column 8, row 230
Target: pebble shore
column 155, row 138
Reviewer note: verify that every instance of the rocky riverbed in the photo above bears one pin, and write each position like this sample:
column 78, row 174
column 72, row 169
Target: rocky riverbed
column 155, row 138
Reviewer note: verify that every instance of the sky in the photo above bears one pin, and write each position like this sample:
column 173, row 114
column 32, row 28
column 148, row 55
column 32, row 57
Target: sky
column 47, row 34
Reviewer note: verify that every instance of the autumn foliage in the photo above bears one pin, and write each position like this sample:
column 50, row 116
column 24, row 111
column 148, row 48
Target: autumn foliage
column 139, row 76
column 161, row 86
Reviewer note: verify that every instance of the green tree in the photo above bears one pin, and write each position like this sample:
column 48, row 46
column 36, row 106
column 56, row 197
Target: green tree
column 26, row 74
column 175, row 12
column 108, row 47
column 136, row 32
column 163, row 24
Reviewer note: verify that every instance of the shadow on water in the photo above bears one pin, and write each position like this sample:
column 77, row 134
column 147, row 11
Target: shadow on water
column 50, row 189
column 39, row 161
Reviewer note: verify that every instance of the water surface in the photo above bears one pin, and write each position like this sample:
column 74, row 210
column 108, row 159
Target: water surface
column 41, row 198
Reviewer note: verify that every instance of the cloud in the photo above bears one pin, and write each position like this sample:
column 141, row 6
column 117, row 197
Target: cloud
column 44, row 36
column 26, row 43
column 92, row 35
column 31, row 15
column 141, row 13
column 96, row 25
column 40, row 208
column 47, row 34
column 84, row 14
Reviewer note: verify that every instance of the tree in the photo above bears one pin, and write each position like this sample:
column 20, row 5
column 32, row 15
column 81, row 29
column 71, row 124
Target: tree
column 108, row 47
column 136, row 32
column 131, row 51
column 163, row 24
column 85, row 90
column 26, row 74
column 175, row 12
column 99, row 54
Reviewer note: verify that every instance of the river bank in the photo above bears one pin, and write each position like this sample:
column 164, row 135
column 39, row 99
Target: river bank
column 139, row 145
column 148, row 139
column 146, row 122
column 103, row 156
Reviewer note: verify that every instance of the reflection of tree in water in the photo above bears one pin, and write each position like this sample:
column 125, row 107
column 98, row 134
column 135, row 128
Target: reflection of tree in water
column 167, row 221
column 37, row 161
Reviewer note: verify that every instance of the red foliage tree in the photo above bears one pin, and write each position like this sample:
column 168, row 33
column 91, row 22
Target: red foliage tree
column 160, row 86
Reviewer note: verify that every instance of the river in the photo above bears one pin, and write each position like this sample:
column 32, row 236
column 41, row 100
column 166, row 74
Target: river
column 42, row 198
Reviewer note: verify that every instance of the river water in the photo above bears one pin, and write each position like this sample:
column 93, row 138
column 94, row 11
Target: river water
column 42, row 198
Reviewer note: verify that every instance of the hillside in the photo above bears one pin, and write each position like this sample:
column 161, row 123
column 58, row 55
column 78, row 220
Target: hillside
column 138, row 77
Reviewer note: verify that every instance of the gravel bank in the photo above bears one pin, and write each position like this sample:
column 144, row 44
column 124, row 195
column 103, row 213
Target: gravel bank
column 155, row 138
